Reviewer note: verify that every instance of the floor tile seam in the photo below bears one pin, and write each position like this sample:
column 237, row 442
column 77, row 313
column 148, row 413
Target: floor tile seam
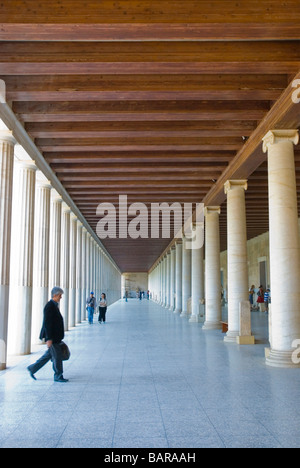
column 120, row 386
column 197, row 398
column 158, row 402
column 75, row 407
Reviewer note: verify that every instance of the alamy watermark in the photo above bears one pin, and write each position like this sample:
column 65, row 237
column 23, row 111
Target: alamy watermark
column 136, row 221
column 296, row 93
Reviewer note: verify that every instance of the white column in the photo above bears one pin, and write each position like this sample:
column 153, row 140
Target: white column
column 178, row 274
column 284, row 246
column 79, row 272
column 197, row 283
column 87, row 271
column 213, row 311
column 160, row 283
column 172, row 278
column 186, row 277
column 237, row 254
column 168, row 278
column 7, row 143
column 41, row 254
column 65, row 264
column 55, row 240
column 163, row 282
column 73, row 251
column 22, row 310
column 84, row 281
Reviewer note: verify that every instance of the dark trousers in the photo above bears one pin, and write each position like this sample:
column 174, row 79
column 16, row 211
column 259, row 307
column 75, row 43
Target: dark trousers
column 102, row 314
column 54, row 354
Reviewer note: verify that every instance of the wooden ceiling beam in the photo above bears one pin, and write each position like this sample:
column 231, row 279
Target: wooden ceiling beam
column 146, row 32
column 149, row 68
column 132, row 12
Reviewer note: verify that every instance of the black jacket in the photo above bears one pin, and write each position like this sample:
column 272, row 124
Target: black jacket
column 53, row 324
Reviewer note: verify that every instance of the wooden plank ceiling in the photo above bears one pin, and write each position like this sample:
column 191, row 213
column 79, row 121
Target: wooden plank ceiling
column 152, row 99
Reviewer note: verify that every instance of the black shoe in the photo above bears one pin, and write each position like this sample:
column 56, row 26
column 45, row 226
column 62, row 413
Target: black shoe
column 61, row 380
column 31, row 374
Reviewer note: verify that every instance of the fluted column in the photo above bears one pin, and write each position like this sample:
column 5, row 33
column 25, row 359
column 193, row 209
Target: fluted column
column 168, row 278
column 197, row 279
column 41, row 254
column 65, row 264
column 79, row 273
column 22, row 310
column 163, row 282
column 84, row 280
column 172, row 278
column 186, row 277
column 178, row 279
column 73, row 263
column 237, row 254
column 7, row 143
column 284, row 246
column 55, row 239
column 213, row 311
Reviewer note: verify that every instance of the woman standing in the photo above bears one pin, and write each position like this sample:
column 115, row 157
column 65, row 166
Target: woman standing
column 102, row 308
column 260, row 299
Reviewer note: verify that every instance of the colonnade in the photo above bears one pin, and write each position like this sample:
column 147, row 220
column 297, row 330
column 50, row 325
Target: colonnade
column 202, row 282
column 42, row 244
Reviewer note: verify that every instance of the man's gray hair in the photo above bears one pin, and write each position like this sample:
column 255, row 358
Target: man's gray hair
column 56, row 290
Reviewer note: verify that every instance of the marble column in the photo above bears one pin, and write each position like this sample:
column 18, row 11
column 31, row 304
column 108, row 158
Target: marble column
column 178, row 279
column 65, row 264
column 22, row 310
column 73, row 263
column 79, row 273
column 7, row 143
column 168, row 278
column 197, row 282
column 172, row 278
column 41, row 254
column 186, row 277
column 163, row 282
column 87, row 271
column 284, row 246
column 84, row 280
column 55, row 240
column 236, row 253
column 213, row 311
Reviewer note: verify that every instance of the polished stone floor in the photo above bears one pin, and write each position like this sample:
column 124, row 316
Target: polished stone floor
column 150, row 379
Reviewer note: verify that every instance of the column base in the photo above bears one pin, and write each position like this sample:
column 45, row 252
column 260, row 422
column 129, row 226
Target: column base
column 183, row 314
column 212, row 326
column 177, row 311
column 231, row 336
column 195, row 319
column 281, row 359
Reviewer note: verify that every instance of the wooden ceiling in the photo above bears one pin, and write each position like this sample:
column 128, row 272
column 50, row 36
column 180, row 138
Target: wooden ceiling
column 152, row 99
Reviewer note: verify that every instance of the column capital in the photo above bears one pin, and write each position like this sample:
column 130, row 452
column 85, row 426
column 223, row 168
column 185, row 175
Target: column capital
column 276, row 136
column 65, row 208
column 56, row 197
column 232, row 184
column 212, row 209
column 42, row 181
column 27, row 164
column 7, row 137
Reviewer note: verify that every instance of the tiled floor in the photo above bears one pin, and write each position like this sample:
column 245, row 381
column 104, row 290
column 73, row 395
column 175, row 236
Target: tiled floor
column 150, row 379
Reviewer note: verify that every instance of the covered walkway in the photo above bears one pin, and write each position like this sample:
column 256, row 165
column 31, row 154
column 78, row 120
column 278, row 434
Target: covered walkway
column 149, row 378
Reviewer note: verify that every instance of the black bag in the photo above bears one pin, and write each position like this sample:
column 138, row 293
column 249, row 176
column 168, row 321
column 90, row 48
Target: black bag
column 66, row 354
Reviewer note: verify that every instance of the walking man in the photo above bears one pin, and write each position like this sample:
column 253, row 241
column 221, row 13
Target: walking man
column 53, row 333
